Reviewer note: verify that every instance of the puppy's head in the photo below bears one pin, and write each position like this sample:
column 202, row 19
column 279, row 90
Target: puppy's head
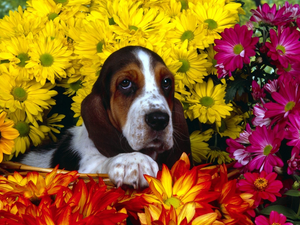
column 137, row 90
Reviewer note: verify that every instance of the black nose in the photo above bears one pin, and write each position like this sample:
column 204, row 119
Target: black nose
column 157, row 120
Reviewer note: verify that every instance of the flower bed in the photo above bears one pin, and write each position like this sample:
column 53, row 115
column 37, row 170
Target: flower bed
column 238, row 84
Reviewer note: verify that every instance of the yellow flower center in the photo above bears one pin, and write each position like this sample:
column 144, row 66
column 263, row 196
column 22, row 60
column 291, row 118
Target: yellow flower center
column 281, row 49
column 23, row 58
column 46, row 60
column 212, row 24
column 52, row 16
column 23, row 128
column 267, row 149
column 132, row 27
column 76, row 85
column 185, row 66
column 175, row 202
column 237, row 49
column 100, row 46
column 207, row 101
column 111, row 21
column 276, row 223
column 187, row 35
column 261, row 183
column 19, row 94
column 289, row 106
column 184, row 4
column 288, row 68
column 60, row 1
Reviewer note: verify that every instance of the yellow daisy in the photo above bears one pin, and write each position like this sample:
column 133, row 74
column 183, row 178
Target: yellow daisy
column 221, row 157
column 216, row 16
column 187, row 27
column 131, row 19
column 210, row 58
column 20, row 23
column 78, row 98
column 32, row 97
column 71, row 88
column 7, row 135
column 193, row 68
column 199, row 146
column 230, row 126
column 16, row 50
column 94, row 36
column 62, row 9
column 28, row 133
column 49, row 58
column 208, row 104
column 44, row 8
column 51, row 123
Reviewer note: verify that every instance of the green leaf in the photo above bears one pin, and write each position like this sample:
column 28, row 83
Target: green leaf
column 293, row 193
column 237, row 86
column 289, row 213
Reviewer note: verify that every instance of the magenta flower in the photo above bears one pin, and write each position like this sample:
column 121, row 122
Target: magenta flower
column 271, row 16
column 284, row 46
column 235, row 48
column 265, row 143
column 262, row 185
column 287, row 102
column 293, row 131
column 259, row 112
column 271, row 86
column 292, row 72
column 275, row 218
column 293, row 9
column 238, row 152
column 222, row 73
column 257, row 91
column 294, row 161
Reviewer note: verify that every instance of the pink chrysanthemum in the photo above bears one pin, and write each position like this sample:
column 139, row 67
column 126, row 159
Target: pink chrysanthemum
column 293, row 9
column 271, row 16
column 238, row 151
column 284, row 46
column 259, row 112
column 294, row 161
column 271, row 86
column 291, row 73
column 235, row 48
column 265, row 143
column 222, row 73
column 293, row 131
column 275, row 218
column 262, row 185
column 287, row 102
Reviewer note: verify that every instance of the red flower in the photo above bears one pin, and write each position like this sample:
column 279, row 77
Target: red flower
column 261, row 185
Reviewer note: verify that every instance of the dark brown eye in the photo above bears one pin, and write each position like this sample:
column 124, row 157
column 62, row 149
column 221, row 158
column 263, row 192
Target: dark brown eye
column 166, row 83
column 125, row 84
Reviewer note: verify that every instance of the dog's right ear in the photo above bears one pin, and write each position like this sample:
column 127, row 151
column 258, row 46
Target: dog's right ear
column 106, row 138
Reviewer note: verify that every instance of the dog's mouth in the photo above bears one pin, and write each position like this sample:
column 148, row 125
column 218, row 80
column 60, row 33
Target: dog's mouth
column 155, row 147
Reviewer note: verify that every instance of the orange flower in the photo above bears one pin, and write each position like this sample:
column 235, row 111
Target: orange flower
column 158, row 215
column 34, row 186
column 186, row 187
column 233, row 204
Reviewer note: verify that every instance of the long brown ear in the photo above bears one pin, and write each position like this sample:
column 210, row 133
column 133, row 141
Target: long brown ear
column 106, row 138
column 181, row 138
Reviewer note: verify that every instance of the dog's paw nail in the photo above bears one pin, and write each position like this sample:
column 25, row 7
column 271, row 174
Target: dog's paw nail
column 119, row 184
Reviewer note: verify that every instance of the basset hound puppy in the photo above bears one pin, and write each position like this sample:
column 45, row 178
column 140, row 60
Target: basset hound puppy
column 132, row 123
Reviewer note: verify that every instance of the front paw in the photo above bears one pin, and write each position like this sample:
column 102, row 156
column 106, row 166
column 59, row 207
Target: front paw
column 128, row 169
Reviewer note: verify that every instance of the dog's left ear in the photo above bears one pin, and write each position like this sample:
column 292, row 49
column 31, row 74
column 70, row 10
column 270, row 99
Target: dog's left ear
column 181, row 138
